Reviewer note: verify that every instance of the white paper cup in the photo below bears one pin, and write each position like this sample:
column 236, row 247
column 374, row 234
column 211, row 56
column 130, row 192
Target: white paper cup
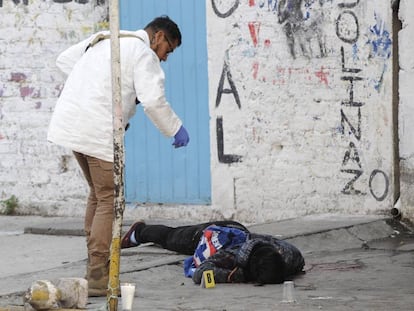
column 127, row 295
column 288, row 292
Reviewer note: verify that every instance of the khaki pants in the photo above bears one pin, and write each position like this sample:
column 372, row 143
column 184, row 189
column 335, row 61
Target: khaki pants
column 99, row 213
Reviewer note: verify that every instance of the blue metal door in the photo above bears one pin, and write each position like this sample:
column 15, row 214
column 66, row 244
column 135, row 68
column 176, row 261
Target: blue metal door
column 156, row 172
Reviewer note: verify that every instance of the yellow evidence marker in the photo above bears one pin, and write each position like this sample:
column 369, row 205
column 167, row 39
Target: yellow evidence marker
column 207, row 280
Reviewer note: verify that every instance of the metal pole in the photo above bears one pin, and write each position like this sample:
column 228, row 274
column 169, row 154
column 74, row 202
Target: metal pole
column 118, row 133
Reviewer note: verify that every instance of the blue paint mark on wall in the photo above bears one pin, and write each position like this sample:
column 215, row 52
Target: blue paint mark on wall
column 380, row 40
column 355, row 52
column 308, row 8
column 378, row 82
column 380, row 47
column 271, row 5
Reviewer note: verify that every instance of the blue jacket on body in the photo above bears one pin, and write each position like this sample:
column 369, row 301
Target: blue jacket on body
column 226, row 251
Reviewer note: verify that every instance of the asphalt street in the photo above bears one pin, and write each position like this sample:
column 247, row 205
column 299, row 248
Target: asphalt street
column 352, row 263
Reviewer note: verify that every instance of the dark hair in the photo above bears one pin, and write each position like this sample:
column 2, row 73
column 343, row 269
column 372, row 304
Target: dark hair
column 266, row 265
column 167, row 25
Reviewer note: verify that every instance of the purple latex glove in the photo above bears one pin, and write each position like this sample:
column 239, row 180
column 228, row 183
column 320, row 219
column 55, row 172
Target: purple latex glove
column 181, row 138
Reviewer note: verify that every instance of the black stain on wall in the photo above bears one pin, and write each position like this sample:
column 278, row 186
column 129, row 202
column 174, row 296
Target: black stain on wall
column 291, row 16
column 224, row 158
column 299, row 35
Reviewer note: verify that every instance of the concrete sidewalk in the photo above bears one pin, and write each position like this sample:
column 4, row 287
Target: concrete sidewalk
column 352, row 263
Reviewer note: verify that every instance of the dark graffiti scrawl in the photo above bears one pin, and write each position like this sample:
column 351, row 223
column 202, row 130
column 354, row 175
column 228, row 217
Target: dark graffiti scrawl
column 304, row 34
column 26, row 2
column 225, row 76
column 351, row 113
column 299, row 33
column 347, row 30
column 224, row 158
column 224, row 8
column 347, row 27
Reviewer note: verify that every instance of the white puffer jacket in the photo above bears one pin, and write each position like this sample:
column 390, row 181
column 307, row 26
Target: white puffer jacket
column 82, row 119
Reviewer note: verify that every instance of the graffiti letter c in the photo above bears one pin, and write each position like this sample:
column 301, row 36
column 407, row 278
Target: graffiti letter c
column 225, row 14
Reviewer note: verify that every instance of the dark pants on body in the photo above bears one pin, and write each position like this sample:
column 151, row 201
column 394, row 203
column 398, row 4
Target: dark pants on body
column 183, row 239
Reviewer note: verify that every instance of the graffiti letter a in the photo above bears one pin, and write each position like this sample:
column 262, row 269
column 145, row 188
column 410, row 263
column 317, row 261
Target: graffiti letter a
column 227, row 74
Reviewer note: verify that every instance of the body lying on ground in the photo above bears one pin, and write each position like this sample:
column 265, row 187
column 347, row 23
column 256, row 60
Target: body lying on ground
column 229, row 249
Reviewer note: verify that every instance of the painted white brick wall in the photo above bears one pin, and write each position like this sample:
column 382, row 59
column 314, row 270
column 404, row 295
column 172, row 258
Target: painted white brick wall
column 284, row 151
column 288, row 129
column 44, row 177
column 280, row 150
column 406, row 108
